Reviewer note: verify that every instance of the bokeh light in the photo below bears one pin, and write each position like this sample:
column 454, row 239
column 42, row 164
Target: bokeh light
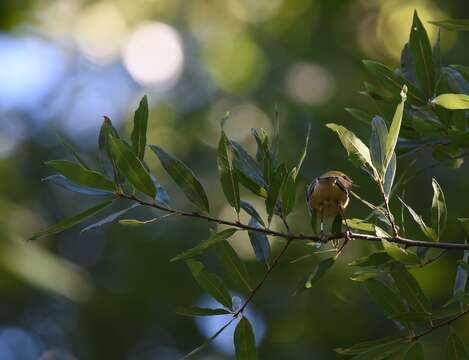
column 154, row 55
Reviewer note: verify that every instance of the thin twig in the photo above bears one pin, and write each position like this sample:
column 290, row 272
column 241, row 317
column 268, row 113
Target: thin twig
column 300, row 237
column 444, row 323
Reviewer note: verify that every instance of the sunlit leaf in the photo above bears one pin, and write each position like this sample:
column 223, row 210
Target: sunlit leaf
column 410, row 289
column 210, row 282
column 78, row 174
column 251, row 211
column 131, row 167
column 303, row 154
column 139, row 132
column 453, row 24
column 62, row 181
column 455, row 348
column 375, row 259
column 109, row 219
column 359, row 224
column 197, row 311
column 379, row 134
column 228, row 175
column 356, row 149
column 452, row 101
column 184, row 177
column 422, row 56
column 415, row 352
column 205, row 245
column 233, row 265
column 288, row 192
column 427, row 230
column 69, row 222
column 107, row 130
column 135, row 222
column 400, row 254
column 390, row 175
column 72, row 152
column 259, row 242
column 439, row 212
column 394, row 129
column 244, row 341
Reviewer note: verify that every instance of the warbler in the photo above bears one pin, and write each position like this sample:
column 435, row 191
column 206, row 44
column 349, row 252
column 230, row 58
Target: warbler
column 327, row 196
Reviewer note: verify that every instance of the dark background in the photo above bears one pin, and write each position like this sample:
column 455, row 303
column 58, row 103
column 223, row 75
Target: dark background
column 112, row 293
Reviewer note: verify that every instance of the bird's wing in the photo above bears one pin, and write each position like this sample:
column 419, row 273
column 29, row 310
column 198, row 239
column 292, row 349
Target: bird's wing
column 309, row 193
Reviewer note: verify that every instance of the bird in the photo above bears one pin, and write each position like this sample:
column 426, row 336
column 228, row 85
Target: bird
column 326, row 197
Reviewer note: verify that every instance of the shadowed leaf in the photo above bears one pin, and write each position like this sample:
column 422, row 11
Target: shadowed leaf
column 233, row 265
column 453, row 24
column 109, row 219
column 228, row 175
column 244, row 341
column 197, row 311
column 439, row 212
column 259, row 242
column 62, row 181
column 139, row 132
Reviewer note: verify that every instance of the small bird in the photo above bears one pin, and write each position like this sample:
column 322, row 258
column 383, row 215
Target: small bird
column 327, row 196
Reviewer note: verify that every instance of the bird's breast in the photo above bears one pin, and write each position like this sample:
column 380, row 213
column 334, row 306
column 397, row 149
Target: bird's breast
column 327, row 195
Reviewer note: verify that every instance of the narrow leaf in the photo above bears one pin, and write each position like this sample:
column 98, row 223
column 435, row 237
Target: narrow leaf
column 131, row 167
column 106, row 159
column 452, row 101
column 197, row 311
column 205, row 245
column 410, row 289
column 399, row 254
column 303, row 154
column 360, row 115
column 395, row 128
column 367, row 345
column 66, row 223
column 184, row 177
column 422, row 56
column 275, row 188
column 385, row 297
column 233, row 265
column 356, row 149
column 455, row 348
column 139, row 132
column 465, row 224
column 251, row 211
column 390, row 175
column 453, row 24
column 72, row 152
column 210, row 282
column 78, row 174
column 439, row 212
column 244, row 341
column 427, row 230
column 315, row 275
column 109, row 219
column 415, row 352
column 379, row 134
column 259, row 242
column 162, row 195
column 135, row 222
column 62, row 181
column 228, row 175
column 288, row 193
column 381, row 352
column 460, row 281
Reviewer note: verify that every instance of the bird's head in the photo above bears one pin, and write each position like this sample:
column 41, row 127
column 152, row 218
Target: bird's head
column 339, row 176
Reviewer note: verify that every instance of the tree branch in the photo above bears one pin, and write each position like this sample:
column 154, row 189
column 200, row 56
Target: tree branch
column 298, row 237
column 444, row 323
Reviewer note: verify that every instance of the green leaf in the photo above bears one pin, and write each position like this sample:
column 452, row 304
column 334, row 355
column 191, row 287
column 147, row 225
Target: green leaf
column 303, row 154
column 139, row 132
column 389, row 176
column 359, row 224
column 233, row 265
column 72, row 152
column 251, row 211
column 384, row 296
column 453, row 24
column 465, row 223
column 357, row 151
column 197, row 311
column 184, row 177
column 427, row 230
column 439, row 212
column 394, row 130
column 62, row 181
column 78, row 174
column 422, row 56
column 66, row 223
column 210, row 282
column 399, row 254
column 135, row 222
column 205, row 245
column 360, row 115
column 455, row 348
column 410, row 289
column 228, row 175
column 381, row 352
column 379, row 134
column 259, row 242
column 367, row 345
column 394, row 82
column 244, row 341
column 375, row 259
column 109, row 219
column 415, row 352
column 274, row 190
column 315, row 275
column 106, row 131
column 131, row 167
column 289, row 193
column 452, row 101
column 407, row 62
